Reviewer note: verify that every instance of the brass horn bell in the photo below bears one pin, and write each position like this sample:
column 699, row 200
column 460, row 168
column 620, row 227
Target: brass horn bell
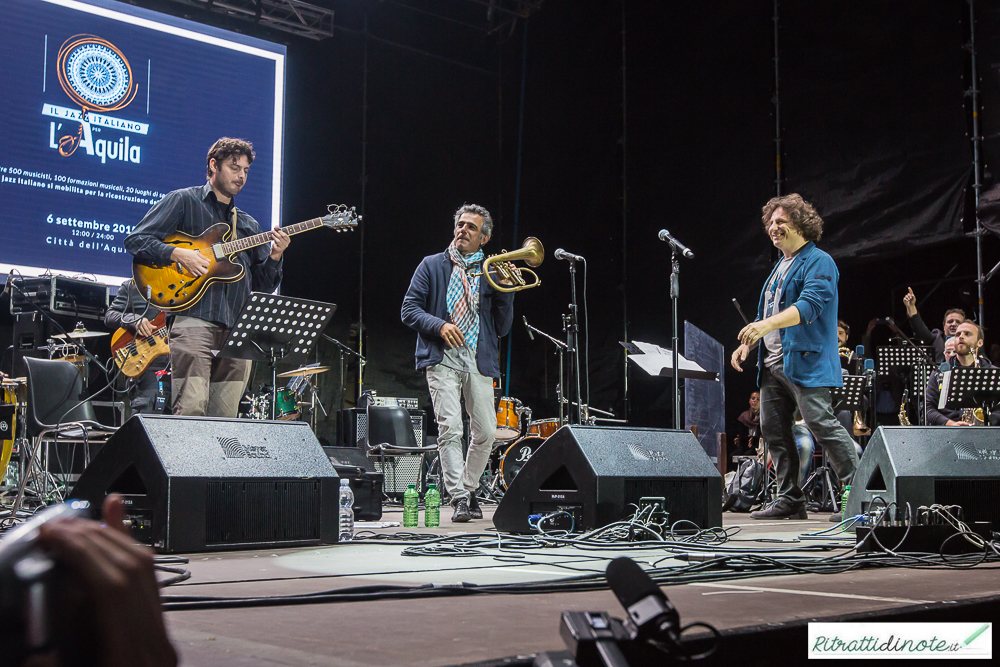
column 531, row 252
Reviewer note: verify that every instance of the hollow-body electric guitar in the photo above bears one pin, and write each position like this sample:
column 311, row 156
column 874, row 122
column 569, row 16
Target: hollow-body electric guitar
column 133, row 353
column 173, row 288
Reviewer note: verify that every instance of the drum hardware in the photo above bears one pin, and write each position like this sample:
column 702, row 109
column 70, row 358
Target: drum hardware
column 531, row 253
column 342, row 350
column 81, row 331
column 561, row 347
column 302, row 379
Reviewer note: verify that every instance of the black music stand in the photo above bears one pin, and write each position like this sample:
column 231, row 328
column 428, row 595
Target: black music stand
column 971, row 388
column 273, row 327
column 914, row 361
column 847, row 397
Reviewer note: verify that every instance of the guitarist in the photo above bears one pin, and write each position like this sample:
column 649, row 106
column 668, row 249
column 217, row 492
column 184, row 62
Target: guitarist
column 131, row 311
column 203, row 385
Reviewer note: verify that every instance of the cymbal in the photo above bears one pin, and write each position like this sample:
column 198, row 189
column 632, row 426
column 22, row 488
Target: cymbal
column 82, row 333
column 305, row 370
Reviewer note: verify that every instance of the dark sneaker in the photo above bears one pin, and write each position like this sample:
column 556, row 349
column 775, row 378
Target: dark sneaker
column 475, row 511
column 781, row 508
column 461, row 514
column 836, row 518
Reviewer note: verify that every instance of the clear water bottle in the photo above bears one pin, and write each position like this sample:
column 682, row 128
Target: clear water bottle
column 346, row 510
column 843, row 501
column 432, row 507
column 411, row 499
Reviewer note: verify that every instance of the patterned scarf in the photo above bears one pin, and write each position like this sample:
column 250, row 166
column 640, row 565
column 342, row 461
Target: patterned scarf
column 463, row 294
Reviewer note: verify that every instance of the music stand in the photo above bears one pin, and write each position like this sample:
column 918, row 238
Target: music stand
column 971, row 388
column 915, row 361
column 272, row 327
column 847, row 397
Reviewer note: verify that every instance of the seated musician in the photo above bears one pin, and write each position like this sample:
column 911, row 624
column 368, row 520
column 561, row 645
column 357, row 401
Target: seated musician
column 936, row 337
column 130, row 311
column 968, row 341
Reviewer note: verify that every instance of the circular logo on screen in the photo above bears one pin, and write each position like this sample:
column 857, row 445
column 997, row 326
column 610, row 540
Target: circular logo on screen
column 95, row 73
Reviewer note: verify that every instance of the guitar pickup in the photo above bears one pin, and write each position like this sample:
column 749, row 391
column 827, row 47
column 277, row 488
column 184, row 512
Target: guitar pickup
column 217, row 250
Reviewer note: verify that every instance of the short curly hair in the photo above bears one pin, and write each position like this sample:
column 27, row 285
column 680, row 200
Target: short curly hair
column 476, row 209
column 804, row 217
column 225, row 148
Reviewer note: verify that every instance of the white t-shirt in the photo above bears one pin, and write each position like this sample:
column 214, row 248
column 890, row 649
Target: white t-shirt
column 772, row 297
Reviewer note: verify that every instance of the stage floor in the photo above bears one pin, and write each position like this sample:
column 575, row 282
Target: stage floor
column 456, row 630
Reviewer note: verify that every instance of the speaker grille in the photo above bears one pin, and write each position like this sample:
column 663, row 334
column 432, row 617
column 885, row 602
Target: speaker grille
column 979, row 498
column 252, row 511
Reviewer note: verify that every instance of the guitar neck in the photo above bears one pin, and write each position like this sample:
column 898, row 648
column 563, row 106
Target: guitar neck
column 231, row 247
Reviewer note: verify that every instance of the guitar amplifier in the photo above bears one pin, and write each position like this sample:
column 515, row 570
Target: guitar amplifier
column 352, row 427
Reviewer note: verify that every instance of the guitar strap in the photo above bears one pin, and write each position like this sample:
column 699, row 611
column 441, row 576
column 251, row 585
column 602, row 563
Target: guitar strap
column 233, row 229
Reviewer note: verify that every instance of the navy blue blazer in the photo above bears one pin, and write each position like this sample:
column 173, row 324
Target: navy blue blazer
column 425, row 310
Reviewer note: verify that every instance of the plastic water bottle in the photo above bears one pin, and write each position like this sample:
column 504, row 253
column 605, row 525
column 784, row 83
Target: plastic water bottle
column 346, row 510
column 411, row 499
column 843, row 501
column 432, row 507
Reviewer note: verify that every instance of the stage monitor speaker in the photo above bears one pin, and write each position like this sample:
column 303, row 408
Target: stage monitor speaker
column 924, row 465
column 207, row 484
column 595, row 473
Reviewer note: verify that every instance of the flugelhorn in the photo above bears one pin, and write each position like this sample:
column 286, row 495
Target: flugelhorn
column 531, row 253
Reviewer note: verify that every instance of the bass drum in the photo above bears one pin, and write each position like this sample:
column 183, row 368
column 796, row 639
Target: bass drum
column 516, row 456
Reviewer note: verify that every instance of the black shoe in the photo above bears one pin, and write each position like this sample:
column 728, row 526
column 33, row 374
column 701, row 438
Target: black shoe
column 836, row 518
column 475, row 511
column 461, row 514
column 782, row 508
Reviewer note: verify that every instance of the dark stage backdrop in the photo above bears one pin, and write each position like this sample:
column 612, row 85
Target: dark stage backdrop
column 873, row 129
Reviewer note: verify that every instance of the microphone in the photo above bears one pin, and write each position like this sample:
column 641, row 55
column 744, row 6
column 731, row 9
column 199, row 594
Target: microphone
column 664, row 235
column 568, row 256
column 647, row 606
column 531, row 335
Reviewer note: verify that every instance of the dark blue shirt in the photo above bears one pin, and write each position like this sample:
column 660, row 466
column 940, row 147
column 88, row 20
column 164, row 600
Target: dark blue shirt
column 192, row 211
column 425, row 309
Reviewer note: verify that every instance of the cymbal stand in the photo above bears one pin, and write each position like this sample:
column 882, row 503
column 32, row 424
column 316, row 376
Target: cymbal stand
column 561, row 347
column 313, row 391
column 341, row 349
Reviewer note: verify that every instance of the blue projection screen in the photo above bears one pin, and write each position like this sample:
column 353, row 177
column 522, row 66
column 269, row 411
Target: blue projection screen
column 109, row 107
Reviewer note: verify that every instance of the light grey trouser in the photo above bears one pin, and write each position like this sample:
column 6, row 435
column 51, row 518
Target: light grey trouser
column 447, row 386
column 203, row 385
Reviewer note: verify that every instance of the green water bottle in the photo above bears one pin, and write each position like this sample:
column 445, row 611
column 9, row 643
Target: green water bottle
column 843, row 501
column 410, row 501
column 432, row 507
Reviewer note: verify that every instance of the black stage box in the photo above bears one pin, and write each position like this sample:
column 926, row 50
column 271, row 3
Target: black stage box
column 595, row 473
column 208, row 484
column 367, row 487
column 924, row 465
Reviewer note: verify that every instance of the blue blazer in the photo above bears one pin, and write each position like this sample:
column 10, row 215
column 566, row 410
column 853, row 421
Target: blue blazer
column 809, row 350
column 425, row 309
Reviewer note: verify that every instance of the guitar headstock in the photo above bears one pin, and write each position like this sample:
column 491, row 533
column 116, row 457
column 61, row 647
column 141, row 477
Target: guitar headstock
column 341, row 218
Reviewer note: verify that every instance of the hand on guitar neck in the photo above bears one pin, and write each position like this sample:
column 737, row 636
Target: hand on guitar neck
column 193, row 261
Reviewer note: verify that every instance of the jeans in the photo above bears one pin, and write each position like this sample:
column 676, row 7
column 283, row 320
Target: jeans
column 804, row 445
column 447, row 386
column 779, row 397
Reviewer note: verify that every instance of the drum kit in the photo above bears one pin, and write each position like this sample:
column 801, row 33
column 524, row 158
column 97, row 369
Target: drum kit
column 289, row 403
column 517, row 438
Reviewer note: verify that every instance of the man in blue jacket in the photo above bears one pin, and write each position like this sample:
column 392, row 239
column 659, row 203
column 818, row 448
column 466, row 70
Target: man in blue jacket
column 799, row 361
column 459, row 319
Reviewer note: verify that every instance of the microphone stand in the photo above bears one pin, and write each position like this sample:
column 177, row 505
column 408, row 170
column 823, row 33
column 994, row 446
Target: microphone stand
column 675, row 287
column 341, row 349
column 571, row 326
column 560, row 348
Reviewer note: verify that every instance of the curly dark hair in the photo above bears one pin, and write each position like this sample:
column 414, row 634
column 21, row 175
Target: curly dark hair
column 225, row 148
column 804, row 217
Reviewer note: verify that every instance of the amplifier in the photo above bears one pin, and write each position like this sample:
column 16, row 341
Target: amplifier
column 352, row 427
column 367, row 488
column 61, row 295
column 395, row 402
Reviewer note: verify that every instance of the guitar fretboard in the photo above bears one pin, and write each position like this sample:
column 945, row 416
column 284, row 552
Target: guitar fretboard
column 231, row 247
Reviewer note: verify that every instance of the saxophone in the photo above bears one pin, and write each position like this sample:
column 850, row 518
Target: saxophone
column 974, row 416
column 903, row 419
